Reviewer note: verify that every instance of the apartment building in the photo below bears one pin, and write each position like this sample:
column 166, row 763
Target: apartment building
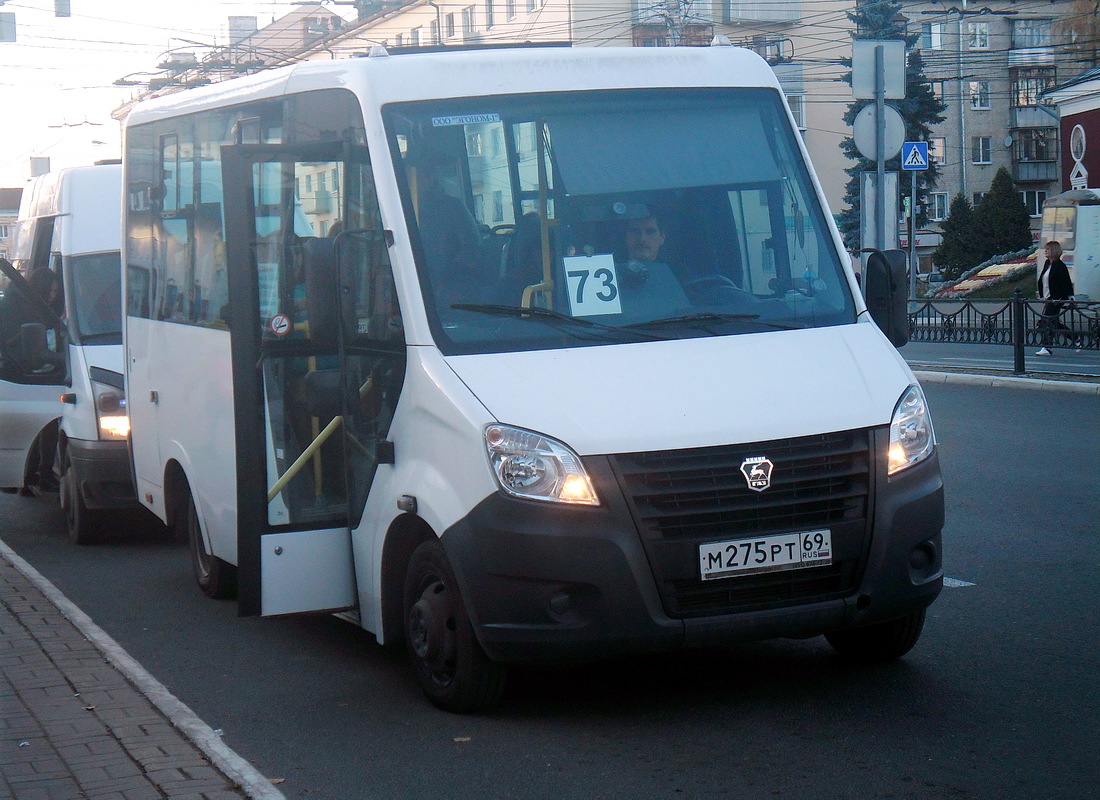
column 991, row 65
column 9, row 214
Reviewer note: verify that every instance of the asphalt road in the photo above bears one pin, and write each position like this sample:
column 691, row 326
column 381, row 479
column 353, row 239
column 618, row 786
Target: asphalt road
column 999, row 357
column 998, row 699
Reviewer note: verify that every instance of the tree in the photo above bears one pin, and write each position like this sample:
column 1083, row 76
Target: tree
column 956, row 253
column 1001, row 223
column 919, row 110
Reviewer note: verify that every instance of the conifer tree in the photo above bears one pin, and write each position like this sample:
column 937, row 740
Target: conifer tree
column 919, row 110
column 1001, row 223
column 956, row 253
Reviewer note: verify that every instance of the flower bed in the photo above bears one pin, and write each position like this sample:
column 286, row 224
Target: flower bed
column 999, row 269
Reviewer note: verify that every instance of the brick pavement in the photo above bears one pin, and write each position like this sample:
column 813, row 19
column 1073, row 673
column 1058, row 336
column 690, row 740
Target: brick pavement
column 80, row 719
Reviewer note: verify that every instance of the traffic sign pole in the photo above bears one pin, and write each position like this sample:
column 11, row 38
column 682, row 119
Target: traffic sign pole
column 914, row 157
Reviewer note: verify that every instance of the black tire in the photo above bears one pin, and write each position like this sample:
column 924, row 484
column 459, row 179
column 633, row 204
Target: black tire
column 881, row 642
column 453, row 670
column 84, row 525
column 216, row 578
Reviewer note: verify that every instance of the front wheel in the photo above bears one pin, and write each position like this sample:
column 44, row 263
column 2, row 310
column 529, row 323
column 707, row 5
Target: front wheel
column 216, row 578
column 453, row 670
column 881, row 642
column 84, row 525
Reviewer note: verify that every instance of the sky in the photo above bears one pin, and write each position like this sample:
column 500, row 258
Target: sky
column 56, row 79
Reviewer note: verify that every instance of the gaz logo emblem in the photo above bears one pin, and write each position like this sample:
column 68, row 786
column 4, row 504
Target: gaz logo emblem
column 758, row 472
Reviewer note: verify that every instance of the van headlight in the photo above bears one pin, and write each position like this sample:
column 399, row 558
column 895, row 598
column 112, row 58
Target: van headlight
column 110, row 411
column 536, row 467
column 911, row 435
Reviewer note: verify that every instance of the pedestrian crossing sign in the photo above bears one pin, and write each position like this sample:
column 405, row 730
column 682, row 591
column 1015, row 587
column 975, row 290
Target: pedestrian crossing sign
column 914, row 155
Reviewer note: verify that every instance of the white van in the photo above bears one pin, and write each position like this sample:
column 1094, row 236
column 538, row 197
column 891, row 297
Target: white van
column 69, row 227
column 522, row 355
column 1073, row 220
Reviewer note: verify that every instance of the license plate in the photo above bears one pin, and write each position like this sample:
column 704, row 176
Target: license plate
column 768, row 554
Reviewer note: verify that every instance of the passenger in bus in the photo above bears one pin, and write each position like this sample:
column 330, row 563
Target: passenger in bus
column 449, row 234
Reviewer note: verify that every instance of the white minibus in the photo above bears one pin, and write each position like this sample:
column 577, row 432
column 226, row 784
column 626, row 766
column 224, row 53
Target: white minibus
column 522, row 355
column 1073, row 220
column 68, row 232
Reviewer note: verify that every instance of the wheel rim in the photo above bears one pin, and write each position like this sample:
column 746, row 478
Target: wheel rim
column 432, row 626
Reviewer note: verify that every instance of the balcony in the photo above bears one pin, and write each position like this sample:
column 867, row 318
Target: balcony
column 1035, row 171
column 1032, row 117
column 1030, row 56
column 789, row 11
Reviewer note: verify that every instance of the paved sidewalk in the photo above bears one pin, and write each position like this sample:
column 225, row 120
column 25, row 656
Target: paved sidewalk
column 79, row 718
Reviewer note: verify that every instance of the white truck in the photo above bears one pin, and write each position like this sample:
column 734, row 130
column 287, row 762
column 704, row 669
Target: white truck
column 68, row 234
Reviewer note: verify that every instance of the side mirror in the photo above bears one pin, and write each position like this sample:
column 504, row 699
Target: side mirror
column 885, row 291
column 31, row 346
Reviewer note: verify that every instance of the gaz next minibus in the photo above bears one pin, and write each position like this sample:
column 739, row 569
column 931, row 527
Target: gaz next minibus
column 69, row 224
column 393, row 351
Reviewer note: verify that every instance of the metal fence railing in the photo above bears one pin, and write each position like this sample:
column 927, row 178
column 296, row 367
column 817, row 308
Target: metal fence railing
column 1017, row 322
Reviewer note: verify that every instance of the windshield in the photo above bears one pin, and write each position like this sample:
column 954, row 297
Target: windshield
column 632, row 215
column 95, row 292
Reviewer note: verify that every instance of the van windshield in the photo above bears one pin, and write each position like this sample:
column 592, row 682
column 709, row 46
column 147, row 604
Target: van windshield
column 95, row 292
column 564, row 220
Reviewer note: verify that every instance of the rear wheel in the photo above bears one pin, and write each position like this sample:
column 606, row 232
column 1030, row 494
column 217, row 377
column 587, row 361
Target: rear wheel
column 454, row 671
column 216, row 578
column 85, row 525
column 881, row 642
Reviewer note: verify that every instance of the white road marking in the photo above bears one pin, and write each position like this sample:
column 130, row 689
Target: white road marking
column 955, row 583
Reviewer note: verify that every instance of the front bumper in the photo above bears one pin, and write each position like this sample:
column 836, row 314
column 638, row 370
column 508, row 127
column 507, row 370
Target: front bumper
column 545, row 583
column 102, row 472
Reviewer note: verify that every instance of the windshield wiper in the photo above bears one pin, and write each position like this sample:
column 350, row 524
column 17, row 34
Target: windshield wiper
column 555, row 317
column 710, row 317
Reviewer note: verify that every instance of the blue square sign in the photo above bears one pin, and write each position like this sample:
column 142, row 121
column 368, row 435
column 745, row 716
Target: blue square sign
column 914, row 155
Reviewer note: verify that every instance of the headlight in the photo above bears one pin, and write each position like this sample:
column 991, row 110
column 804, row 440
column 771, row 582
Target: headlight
column 537, row 467
column 110, row 411
column 911, row 436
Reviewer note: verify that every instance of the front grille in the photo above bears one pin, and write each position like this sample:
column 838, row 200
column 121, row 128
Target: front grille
column 682, row 498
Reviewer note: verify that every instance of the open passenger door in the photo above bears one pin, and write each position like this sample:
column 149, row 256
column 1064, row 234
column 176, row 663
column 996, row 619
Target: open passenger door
column 304, row 454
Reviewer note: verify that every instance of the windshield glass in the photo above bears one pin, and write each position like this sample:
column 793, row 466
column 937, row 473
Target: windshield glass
column 631, row 215
column 95, row 298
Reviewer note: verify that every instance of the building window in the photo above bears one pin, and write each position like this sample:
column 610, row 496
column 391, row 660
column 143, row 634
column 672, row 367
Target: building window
column 979, row 95
column 797, row 105
column 937, row 206
column 1030, row 33
column 510, row 9
column 982, row 149
column 937, row 150
column 414, row 37
column 976, row 198
column 977, row 35
column 1028, row 83
column 488, row 13
column 5, row 231
column 532, row 5
column 498, row 206
column 433, row 31
column 1035, row 144
column 938, row 88
column 468, row 19
column 931, row 36
column 449, row 25
column 399, row 40
column 1033, row 202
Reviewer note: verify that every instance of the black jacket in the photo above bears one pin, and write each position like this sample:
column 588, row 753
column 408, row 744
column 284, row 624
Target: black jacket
column 1061, row 287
